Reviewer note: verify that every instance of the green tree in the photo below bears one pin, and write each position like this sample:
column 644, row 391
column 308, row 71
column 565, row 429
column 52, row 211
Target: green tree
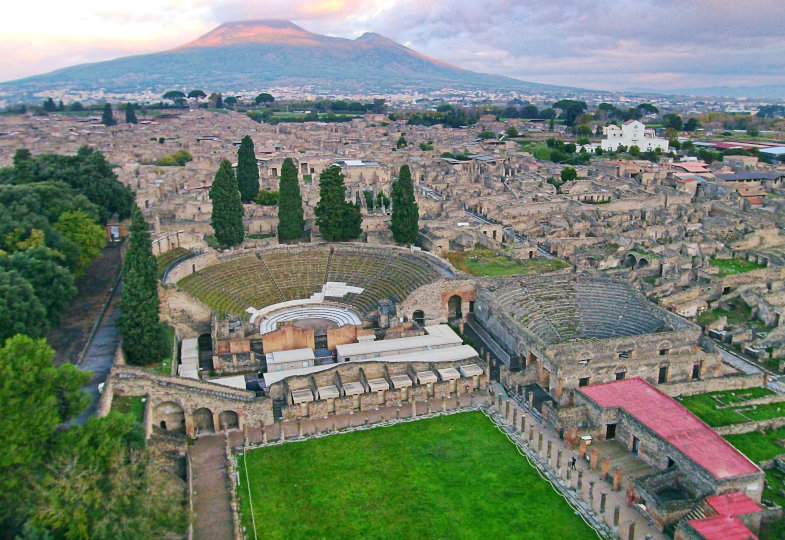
column 290, row 204
column 570, row 109
column 635, row 150
column 405, row 214
column 130, row 114
column 265, row 98
column 247, row 170
column 230, row 101
column 338, row 220
column 21, row 312
column 267, row 197
column 568, row 174
column 143, row 335
column 101, row 482
column 107, row 118
column 40, row 397
column 196, row 94
column 401, row 142
column 672, row 120
column 52, row 283
column 691, row 124
column 227, row 216
column 176, row 97
column 583, row 130
column 79, row 228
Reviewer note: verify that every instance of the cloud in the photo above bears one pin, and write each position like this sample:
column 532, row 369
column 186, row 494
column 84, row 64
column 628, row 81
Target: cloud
column 610, row 44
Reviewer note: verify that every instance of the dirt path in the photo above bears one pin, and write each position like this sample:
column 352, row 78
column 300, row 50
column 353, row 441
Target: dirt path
column 212, row 509
column 70, row 337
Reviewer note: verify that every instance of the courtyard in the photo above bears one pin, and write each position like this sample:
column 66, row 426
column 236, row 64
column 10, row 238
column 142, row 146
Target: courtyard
column 452, row 476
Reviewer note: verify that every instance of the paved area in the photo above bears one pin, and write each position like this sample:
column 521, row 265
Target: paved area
column 211, row 498
column 100, row 355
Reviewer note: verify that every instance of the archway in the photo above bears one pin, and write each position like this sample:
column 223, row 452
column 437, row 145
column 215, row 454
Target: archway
column 169, row 416
column 630, row 260
column 419, row 317
column 203, row 421
column 642, row 262
column 454, row 307
column 228, row 420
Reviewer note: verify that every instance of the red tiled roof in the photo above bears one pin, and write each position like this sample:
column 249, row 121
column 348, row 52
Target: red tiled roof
column 674, row 423
column 722, row 528
column 733, row 504
column 755, row 200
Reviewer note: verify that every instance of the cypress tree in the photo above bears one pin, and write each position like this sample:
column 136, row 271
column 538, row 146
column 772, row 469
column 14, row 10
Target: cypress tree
column 130, row 114
column 144, row 340
column 227, row 217
column 405, row 214
column 290, row 204
column 338, row 220
column 107, row 118
column 247, row 170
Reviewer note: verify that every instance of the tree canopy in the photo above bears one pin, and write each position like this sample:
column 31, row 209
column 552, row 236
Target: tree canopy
column 130, row 114
column 143, row 335
column 338, row 219
column 196, row 94
column 227, row 215
column 405, row 214
column 247, row 170
column 264, row 97
column 107, row 117
column 290, row 204
column 570, row 109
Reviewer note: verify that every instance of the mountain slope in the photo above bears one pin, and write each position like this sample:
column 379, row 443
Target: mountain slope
column 256, row 55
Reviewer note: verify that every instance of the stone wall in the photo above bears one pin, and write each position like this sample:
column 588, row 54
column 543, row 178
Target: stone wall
column 288, row 337
column 432, row 299
column 734, row 382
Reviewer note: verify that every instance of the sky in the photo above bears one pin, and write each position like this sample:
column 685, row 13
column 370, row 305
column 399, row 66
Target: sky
column 602, row 44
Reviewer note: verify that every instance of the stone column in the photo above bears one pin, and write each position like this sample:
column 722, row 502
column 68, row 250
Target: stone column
column 299, row 428
column 616, row 512
column 632, row 531
column 591, row 494
column 539, row 442
column 264, row 436
column 414, row 408
column 582, row 449
column 531, row 433
column 606, row 468
column 283, row 431
column 216, row 422
column 616, row 479
column 580, row 479
column 549, row 446
column 558, row 459
column 593, row 457
column 603, row 498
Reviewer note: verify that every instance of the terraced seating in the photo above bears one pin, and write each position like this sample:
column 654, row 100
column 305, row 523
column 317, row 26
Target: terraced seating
column 281, row 274
column 559, row 309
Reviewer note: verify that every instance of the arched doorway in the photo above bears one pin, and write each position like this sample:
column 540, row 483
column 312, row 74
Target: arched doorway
column 203, row 421
column 169, row 416
column 228, row 420
column 454, row 307
column 630, row 260
column 419, row 317
column 642, row 262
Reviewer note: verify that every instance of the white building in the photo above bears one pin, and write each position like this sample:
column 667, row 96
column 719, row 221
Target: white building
column 632, row 133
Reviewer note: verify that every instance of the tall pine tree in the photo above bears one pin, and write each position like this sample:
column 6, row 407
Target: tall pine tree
column 227, row 217
column 130, row 114
column 338, row 220
column 247, row 170
column 290, row 204
column 107, row 118
column 405, row 214
column 143, row 335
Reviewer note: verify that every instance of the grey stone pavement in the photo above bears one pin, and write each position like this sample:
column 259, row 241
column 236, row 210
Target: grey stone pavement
column 775, row 382
column 100, row 355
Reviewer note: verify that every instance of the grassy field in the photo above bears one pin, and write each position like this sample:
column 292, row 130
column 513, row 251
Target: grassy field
column 775, row 487
column 759, row 446
column 704, row 406
column 132, row 405
column 734, row 266
column 739, row 315
column 447, row 477
column 484, row 262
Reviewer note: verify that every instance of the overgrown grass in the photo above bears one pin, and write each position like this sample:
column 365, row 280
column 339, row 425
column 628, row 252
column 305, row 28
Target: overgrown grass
column 775, row 487
column 705, row 406
column 485, row 262
column 734, row 266
column 132, row 405
column 448, row 477
column 740, row 314
column 756, row 445
column 168, row 257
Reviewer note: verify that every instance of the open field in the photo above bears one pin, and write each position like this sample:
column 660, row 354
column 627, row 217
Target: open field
column 448, row 477
column 734, row 266
column 759, row 446
column 484, row 262
column 705, row 406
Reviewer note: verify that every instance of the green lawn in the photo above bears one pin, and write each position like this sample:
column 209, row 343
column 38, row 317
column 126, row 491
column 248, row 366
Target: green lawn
column 484, row 262
column 775, row 487
column 132, row 405
column 756, row 445
column 740, row 314
column 447, row 477
column 734, row 266
column 705, row 406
